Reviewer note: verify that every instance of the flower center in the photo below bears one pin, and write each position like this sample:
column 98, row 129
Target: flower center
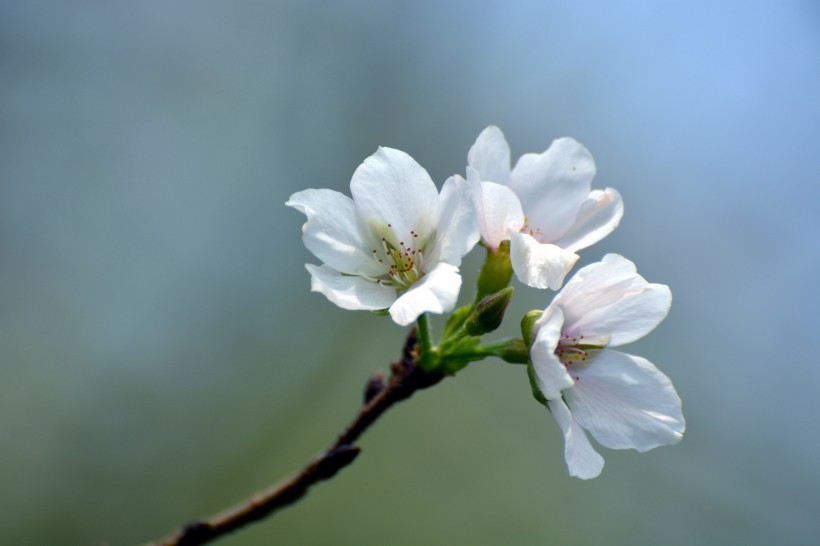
column 570, row 350
column 575, row 350
column 403, row 260
column 534, row 233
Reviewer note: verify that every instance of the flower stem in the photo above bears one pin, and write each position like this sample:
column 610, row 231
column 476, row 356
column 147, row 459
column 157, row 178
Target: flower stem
column 425, row 344
column 512, row 351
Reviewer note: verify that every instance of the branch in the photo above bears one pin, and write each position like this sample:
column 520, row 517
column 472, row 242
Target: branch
column 406, row 377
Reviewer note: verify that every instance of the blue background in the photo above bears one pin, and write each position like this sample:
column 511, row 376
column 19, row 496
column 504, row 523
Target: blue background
column 161, row 355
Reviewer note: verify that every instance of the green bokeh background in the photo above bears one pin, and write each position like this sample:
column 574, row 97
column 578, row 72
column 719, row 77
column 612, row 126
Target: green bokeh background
column 161, row 355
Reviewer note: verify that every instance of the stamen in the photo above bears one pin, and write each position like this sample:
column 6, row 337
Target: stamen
column 404, row 260
column 536, row 233
column 572, row 350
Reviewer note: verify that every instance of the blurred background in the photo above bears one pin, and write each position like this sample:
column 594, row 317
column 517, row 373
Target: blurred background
column 161, row 356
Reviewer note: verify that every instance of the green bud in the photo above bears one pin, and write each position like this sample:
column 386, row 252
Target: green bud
column 489, row 313
column 527, row 324
column 496, row 272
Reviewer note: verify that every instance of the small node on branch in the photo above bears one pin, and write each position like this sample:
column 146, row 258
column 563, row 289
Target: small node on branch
column 336, row 460
column 373, row 386
column 196, row 532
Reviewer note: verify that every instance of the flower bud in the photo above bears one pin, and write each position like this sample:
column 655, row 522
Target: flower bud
column 489, row 313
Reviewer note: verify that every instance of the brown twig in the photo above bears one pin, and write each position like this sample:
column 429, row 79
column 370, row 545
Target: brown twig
column 406, row 378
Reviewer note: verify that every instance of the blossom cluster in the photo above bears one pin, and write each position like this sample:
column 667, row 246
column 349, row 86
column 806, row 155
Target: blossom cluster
column 396, row 247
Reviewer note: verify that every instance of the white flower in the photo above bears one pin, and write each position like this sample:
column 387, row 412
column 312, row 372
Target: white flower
column 397, row 244
column 544, row 206
column 621, row 399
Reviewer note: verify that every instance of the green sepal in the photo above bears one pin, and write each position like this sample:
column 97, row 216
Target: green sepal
column 381, row 312
column 536, row 392
column 527, row 324
column 496, row 271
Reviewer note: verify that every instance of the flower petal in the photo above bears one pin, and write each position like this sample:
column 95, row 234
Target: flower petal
column 539, row 265
column 499, row 213
column 490, row 156
column 435, row 293
column 609, row 298
column 349, row 292
column 550, row 373
column 457, row 230
column 582, row 459
column 389, row 187
column 332, row 233
column 626, row 402
column 552, row 186
column 598, row 216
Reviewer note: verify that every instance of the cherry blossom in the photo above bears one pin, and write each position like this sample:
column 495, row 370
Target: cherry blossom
column 544, row 205
column 623, row 400
column 397, row 244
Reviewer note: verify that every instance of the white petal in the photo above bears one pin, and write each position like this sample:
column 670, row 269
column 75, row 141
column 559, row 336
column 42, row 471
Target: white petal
column 457, row 230
column 349, row 292
column 626, row 402
column 550, row 373
column 499, row 213
column 389, row 187
column 490, row 156
column 332, row 232
column 582, row 459
column 598, row 216
column 539, row 265
column 435, row 293
column 609, row 298
column 553, row 185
